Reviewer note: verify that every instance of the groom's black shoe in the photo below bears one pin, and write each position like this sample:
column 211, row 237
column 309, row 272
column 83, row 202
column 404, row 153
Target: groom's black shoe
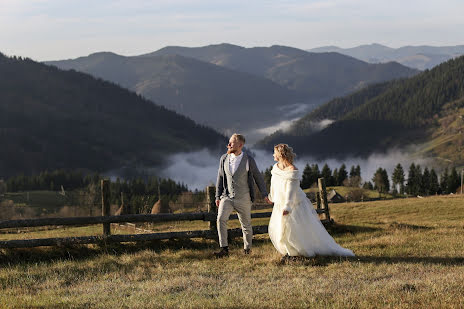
column 222, row 253
column 284, row 259
column 247, row 251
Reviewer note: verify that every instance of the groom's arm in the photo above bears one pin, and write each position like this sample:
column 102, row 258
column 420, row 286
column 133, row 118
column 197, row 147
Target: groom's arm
column 258, row 177
column 220, row 180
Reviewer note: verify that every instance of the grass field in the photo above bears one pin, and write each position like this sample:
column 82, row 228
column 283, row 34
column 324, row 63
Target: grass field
column 345, row 191
column 410, row 254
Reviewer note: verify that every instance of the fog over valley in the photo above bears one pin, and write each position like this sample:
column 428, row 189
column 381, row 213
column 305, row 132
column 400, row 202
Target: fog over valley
column 199, row 169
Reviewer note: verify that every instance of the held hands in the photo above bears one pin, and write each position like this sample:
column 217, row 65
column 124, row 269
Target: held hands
column 268, row 200
column 217, row 203
column 285, row 212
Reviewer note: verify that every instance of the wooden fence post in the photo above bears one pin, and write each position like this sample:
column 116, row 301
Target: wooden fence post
column 323, row 194
column 318, row 200
column 105, row 193
column 211, row 200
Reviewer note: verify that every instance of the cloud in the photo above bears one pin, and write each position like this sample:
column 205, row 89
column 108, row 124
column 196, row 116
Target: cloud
column 199, row 169
column 283, row 126
column 321, row 125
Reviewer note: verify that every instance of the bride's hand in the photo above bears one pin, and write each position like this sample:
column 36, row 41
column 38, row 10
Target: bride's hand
column 285, row 212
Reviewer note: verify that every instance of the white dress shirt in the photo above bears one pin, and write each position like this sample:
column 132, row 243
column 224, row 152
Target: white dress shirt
column 234, row 162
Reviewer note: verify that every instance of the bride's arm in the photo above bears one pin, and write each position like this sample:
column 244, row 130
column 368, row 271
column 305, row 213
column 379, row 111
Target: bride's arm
column 291, row 185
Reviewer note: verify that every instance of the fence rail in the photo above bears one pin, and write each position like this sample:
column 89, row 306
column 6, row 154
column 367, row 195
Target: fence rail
column 106, row 221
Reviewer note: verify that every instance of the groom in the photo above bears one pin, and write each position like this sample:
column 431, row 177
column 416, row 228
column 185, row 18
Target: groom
column 235, row 191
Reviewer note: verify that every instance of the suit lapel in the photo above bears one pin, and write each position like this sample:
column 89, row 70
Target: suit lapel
column 226, row 165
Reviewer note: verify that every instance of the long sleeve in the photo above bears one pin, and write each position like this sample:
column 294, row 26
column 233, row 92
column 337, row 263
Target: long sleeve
column 270, row 196
column 220, row 179
column 290, row 193
column 257, row 177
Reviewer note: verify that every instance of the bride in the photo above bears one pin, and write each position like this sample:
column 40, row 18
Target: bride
column 294, row 227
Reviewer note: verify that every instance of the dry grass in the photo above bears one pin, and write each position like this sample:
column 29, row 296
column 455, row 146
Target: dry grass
column 410, row 254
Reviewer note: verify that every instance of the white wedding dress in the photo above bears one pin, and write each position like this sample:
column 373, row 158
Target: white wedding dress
column 300, row 233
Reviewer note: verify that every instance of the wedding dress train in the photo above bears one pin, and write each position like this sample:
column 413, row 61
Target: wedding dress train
column 300, row 233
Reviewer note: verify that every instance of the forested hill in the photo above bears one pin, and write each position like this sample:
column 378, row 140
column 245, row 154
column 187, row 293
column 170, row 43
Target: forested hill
column 52, row 119
column 314, row 75
column 384, row 115
column 202, row 91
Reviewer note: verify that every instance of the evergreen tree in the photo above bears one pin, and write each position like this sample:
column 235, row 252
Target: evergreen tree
column 307, row 177
column 268, row 176
column 398, row 178
column 315, row 172
column 334, row 178
column 342, row 175
column 381, row 182
column 426, row 182
column 434, row 185
column 352, row 171
column 444, row 182
column 414, row 184
column 418, row 180
column 326, row 173
column 386, row 180
column 358, row 170
column 454, row 181
column 368, row 185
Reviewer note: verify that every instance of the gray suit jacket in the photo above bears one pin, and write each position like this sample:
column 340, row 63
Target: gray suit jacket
column 253, row 175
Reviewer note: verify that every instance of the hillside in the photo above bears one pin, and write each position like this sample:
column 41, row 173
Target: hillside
column 316, row 76
column 409, row 254
column 382, row 116
column 418, row 57
column 209, row 94
column 52, row 119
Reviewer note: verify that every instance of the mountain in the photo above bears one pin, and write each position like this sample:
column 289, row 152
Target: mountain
column 315, row 76
column 419, row 57
column 391, row 114
column 225, row 99
column 52, row 119
column 255, row 87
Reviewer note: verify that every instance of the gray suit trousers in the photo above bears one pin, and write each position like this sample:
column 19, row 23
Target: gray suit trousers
column 243, row 208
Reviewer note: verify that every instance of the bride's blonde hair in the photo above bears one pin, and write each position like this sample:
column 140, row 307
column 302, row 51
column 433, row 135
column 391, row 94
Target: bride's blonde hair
column 285, row 152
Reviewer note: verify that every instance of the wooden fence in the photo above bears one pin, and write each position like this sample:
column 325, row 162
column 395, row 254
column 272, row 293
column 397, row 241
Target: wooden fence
column 106, row 219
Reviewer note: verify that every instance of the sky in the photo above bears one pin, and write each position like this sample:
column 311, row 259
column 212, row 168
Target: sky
column 63, row 29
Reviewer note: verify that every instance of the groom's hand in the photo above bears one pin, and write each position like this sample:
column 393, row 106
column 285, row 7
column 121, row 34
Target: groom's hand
column 285, row 212
column 217, row 203
column 268, row 200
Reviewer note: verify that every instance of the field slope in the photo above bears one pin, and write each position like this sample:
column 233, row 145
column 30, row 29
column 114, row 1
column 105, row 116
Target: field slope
column 409, row 255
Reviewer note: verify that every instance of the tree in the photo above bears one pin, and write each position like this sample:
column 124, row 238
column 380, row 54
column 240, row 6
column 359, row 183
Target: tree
column 398, row 178
column 355, row 177
column 368, row 185
column 381, row 182
column 414, row 180
column 425, row 183
column 334, row 178
column 268, row 176
column 316, row 173
column 342, row 175
column 358, row 170
column 454, row 181
column 444, row 182
column 306, row 177
column 326, row 173
column 434, row 185
column 352, row 171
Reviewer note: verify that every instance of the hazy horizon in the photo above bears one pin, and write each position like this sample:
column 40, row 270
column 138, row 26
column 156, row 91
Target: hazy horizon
column 51, row 30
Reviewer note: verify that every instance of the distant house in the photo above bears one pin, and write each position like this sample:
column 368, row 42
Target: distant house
column 334, row 197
